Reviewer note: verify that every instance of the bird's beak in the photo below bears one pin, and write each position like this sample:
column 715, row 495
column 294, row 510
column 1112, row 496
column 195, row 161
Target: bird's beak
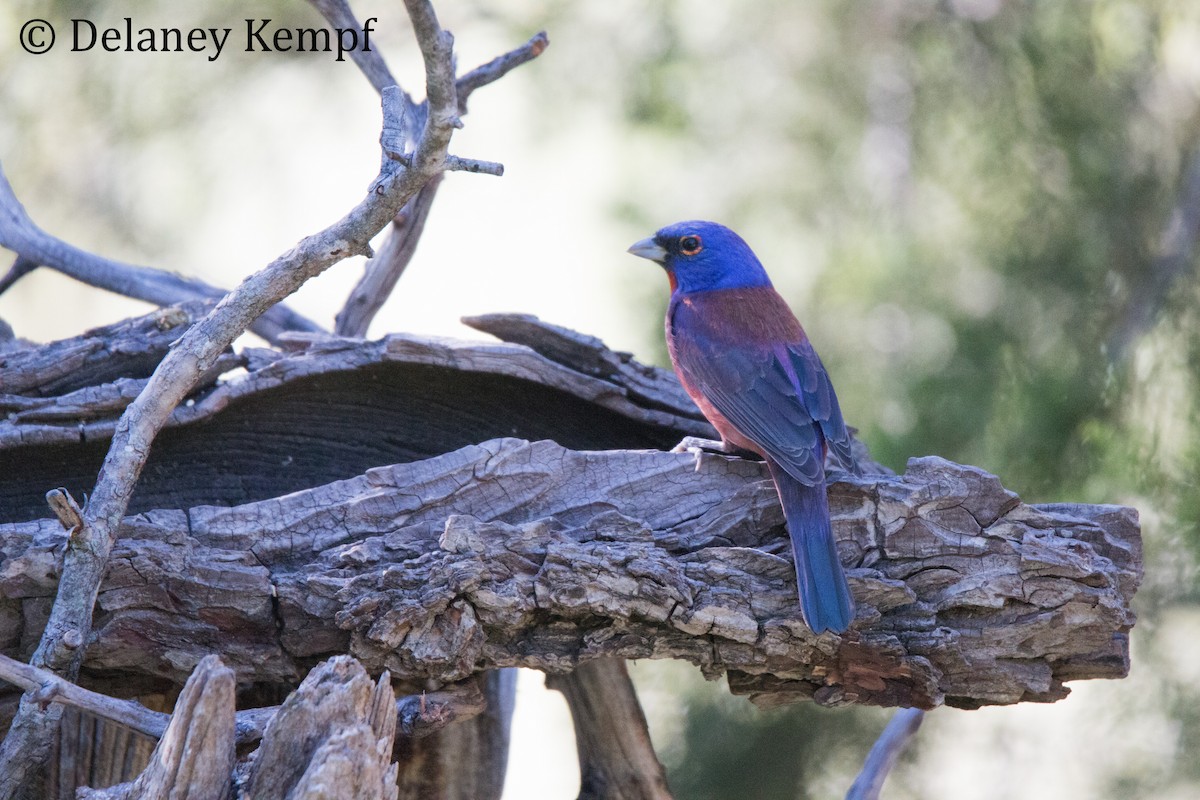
column 648, row 248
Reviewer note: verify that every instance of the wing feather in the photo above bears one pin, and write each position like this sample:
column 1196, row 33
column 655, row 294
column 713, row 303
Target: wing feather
column 777, row 395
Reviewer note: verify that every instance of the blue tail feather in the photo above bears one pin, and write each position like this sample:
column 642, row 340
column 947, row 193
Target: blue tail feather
column 824, row 594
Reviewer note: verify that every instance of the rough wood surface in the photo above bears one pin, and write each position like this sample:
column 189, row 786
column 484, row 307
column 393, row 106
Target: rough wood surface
column 330, row 410
column 465, row 760
column 511, row 553
column 331, row 738
column 267, row 532
column 194, row 760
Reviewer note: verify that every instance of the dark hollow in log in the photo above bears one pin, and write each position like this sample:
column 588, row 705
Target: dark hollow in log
column 319, row 416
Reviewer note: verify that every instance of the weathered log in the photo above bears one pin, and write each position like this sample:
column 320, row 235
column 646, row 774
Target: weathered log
column 331, row 411
column 268, row 533
column 966, row 596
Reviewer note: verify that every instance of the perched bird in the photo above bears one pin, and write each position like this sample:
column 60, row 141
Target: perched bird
column 744, row 359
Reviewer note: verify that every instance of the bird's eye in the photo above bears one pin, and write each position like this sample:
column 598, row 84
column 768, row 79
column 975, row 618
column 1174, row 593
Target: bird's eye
column 690, row 245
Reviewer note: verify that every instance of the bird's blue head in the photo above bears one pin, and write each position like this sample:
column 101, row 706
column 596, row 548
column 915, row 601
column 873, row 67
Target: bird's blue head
column 700, row 256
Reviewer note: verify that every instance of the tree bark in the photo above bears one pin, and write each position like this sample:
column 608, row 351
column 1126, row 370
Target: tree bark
column 265, row 531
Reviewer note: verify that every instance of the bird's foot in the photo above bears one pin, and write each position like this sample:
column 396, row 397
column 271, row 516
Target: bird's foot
column 698, row 447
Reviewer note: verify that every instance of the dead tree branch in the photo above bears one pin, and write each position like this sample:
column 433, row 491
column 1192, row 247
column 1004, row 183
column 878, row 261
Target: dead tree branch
column 194, row 760
column 371, row 62
column 34, row 247
column 467, row 760
column 883, row 756
column 508, row 553
column 470, row 558
column 50, row 688
column 186, row 363
column 334, row 732
column 418, row 715
column 383, row 271
column 616, row 758
column 1174, row 260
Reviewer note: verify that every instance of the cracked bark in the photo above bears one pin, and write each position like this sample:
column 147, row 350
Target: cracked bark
column 266, row 531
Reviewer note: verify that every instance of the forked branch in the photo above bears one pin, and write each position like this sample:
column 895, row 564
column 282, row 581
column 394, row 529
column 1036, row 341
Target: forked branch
column 59, row 650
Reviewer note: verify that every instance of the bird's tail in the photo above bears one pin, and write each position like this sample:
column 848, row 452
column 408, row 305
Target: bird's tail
column 824, row 593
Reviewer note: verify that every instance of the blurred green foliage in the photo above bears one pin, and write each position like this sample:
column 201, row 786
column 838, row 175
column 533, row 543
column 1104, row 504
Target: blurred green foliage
column 985, row 212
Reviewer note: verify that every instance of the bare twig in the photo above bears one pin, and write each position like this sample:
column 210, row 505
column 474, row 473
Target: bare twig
column 338, row 14
column 498, row 67
column 24, row 749
column 34, row 247
column 65, row 508
column 422, row 714
column 384, row 270
column 474, row 165
column 616, row 758
column 53, row 689
column 895, row 737
column 21, row 267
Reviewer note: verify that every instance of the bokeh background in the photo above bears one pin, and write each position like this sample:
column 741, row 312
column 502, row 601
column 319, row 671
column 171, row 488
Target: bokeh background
column 984, row 211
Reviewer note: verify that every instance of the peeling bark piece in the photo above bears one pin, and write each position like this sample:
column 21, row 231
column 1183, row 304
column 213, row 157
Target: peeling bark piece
column 131, row 348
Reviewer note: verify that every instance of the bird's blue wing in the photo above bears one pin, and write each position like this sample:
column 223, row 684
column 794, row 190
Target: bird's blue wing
column 777, row 395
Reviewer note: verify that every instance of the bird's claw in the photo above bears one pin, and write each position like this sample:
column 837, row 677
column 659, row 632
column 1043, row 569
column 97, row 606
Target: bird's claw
column 690, row 444
column 698, row 446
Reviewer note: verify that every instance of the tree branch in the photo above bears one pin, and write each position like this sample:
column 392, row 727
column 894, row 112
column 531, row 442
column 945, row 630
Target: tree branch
column 966, row 597
column 383, row 271
column 467, row 760
column 34, row 247
column 891, row 743
column 955, row 579
column 498, row 67
column 197, row 350
column 372, row 63
column 50, row 688
column 616, row 758
column 1175, row 258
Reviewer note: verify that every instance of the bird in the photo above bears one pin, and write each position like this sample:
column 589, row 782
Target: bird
column 745, row 360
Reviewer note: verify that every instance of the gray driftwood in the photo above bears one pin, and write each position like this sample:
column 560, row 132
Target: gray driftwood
column 332, row 737
column 265, row 531
column 194, row 759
